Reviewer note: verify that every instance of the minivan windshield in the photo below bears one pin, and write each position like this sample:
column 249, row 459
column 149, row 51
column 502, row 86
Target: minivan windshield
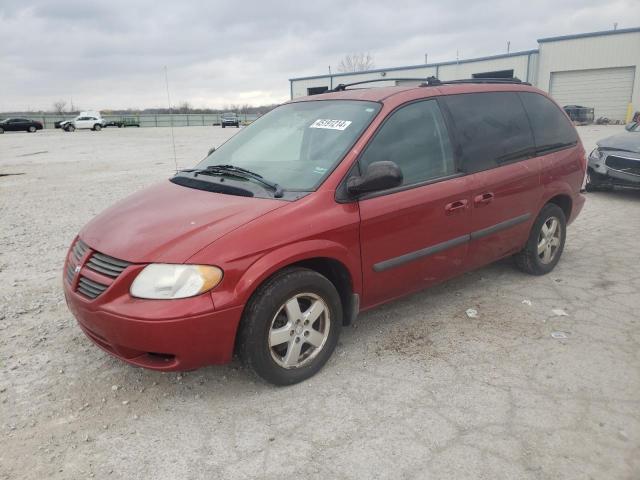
column 298, row 144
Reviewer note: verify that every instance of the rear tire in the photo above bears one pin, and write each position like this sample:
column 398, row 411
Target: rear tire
column 290, row 327
column 545, row 244
column 97, row 127
column 1, row 130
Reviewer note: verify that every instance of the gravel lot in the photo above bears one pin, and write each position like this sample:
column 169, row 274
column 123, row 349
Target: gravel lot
column 415, row 389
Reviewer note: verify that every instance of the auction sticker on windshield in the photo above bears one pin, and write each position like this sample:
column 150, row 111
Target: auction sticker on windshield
column 330, row 124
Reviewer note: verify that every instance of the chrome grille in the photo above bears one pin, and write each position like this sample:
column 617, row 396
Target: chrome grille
column 89, row 288
column 623, row 164
column 106, row 265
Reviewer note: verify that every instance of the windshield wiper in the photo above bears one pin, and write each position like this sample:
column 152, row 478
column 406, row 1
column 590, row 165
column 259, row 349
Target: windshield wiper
column 231, row 170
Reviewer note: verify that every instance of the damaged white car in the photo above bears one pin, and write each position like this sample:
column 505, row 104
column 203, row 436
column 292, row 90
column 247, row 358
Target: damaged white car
column 615, row 161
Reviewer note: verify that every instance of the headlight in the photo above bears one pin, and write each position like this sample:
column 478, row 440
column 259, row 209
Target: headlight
column 166, row 281
column 596, row 154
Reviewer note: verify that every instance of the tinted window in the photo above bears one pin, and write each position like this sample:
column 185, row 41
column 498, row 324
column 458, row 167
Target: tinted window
column 551, row 129
column 416, row 139
column 491, row 128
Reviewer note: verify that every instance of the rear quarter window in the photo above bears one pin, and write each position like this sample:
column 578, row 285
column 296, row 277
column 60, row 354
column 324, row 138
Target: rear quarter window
column 491, row 129
column 551, row 128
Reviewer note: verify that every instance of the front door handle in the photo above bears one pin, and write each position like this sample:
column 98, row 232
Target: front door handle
column 455, row 207
column 483, row 199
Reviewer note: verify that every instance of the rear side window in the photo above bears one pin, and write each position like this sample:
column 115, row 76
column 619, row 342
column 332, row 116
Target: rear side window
column 551, row 129
column 416, row 139
column 491, row 128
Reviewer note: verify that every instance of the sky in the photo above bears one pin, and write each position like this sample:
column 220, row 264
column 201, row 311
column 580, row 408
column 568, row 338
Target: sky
column 111, row 54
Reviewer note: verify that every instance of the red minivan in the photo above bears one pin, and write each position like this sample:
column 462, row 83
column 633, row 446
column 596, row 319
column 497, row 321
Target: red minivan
column 326, row 206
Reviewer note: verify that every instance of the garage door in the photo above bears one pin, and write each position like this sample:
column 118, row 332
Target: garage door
column 607, row 90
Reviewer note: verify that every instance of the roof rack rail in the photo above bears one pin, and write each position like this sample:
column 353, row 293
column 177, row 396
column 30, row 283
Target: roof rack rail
column 432, row 82
column 343, row 86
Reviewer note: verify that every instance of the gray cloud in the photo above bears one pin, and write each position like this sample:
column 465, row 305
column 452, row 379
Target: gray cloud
column 111, row 54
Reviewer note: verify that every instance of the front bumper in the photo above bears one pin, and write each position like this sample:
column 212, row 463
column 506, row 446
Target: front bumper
column 181, row 334
column 622, row 168
column 179, row 344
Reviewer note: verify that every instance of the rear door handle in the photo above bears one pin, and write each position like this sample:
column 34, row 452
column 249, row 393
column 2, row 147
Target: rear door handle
column 455, row 207
column 483, row 199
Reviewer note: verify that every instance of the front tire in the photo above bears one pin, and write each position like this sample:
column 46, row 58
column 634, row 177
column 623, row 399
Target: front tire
column 69, row 128
column 1, row 130
column 290, row 326
column 546, row 242
column 31, row 129
column 97, row 127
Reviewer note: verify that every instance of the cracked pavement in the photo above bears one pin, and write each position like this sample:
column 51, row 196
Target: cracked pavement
column 416, row 389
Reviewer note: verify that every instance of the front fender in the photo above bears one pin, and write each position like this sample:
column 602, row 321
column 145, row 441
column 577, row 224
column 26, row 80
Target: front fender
column 282, row 257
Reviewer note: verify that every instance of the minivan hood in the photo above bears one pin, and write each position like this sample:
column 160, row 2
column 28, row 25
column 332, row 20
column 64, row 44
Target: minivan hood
column 168, row 223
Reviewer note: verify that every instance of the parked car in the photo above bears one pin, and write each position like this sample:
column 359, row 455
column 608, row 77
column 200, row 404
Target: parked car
column 84, row 121
column 229, row 119
column 325, row 207
column 19, row 124
column 125, row 122
column 615, row 161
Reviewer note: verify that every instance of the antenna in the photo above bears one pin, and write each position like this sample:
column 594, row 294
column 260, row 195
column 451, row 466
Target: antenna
column 173, row 139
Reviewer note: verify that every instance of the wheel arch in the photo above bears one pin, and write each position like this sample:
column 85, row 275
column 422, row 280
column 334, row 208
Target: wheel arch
column 332, row 260
column 338, row 274
column 563, row 201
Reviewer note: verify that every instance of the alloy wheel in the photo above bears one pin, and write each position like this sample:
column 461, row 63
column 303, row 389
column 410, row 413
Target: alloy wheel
column 299, row 330
column 549, row 240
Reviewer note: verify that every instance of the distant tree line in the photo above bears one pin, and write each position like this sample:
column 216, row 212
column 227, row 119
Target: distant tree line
column 60, row 108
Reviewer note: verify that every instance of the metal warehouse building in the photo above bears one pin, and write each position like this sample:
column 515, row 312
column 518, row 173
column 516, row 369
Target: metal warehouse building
column 598, row 69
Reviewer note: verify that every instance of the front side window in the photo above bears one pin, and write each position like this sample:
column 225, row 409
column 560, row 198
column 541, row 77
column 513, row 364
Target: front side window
column 416, row 139
column 492, row 129
column 297, row 145
column 551, row 128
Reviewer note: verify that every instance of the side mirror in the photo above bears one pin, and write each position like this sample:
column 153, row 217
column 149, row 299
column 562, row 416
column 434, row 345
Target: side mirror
column 211, row 150
column 379, row 176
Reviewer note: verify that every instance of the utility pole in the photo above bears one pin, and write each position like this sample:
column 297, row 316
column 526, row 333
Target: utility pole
column 426, row 59
column 508, row 45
